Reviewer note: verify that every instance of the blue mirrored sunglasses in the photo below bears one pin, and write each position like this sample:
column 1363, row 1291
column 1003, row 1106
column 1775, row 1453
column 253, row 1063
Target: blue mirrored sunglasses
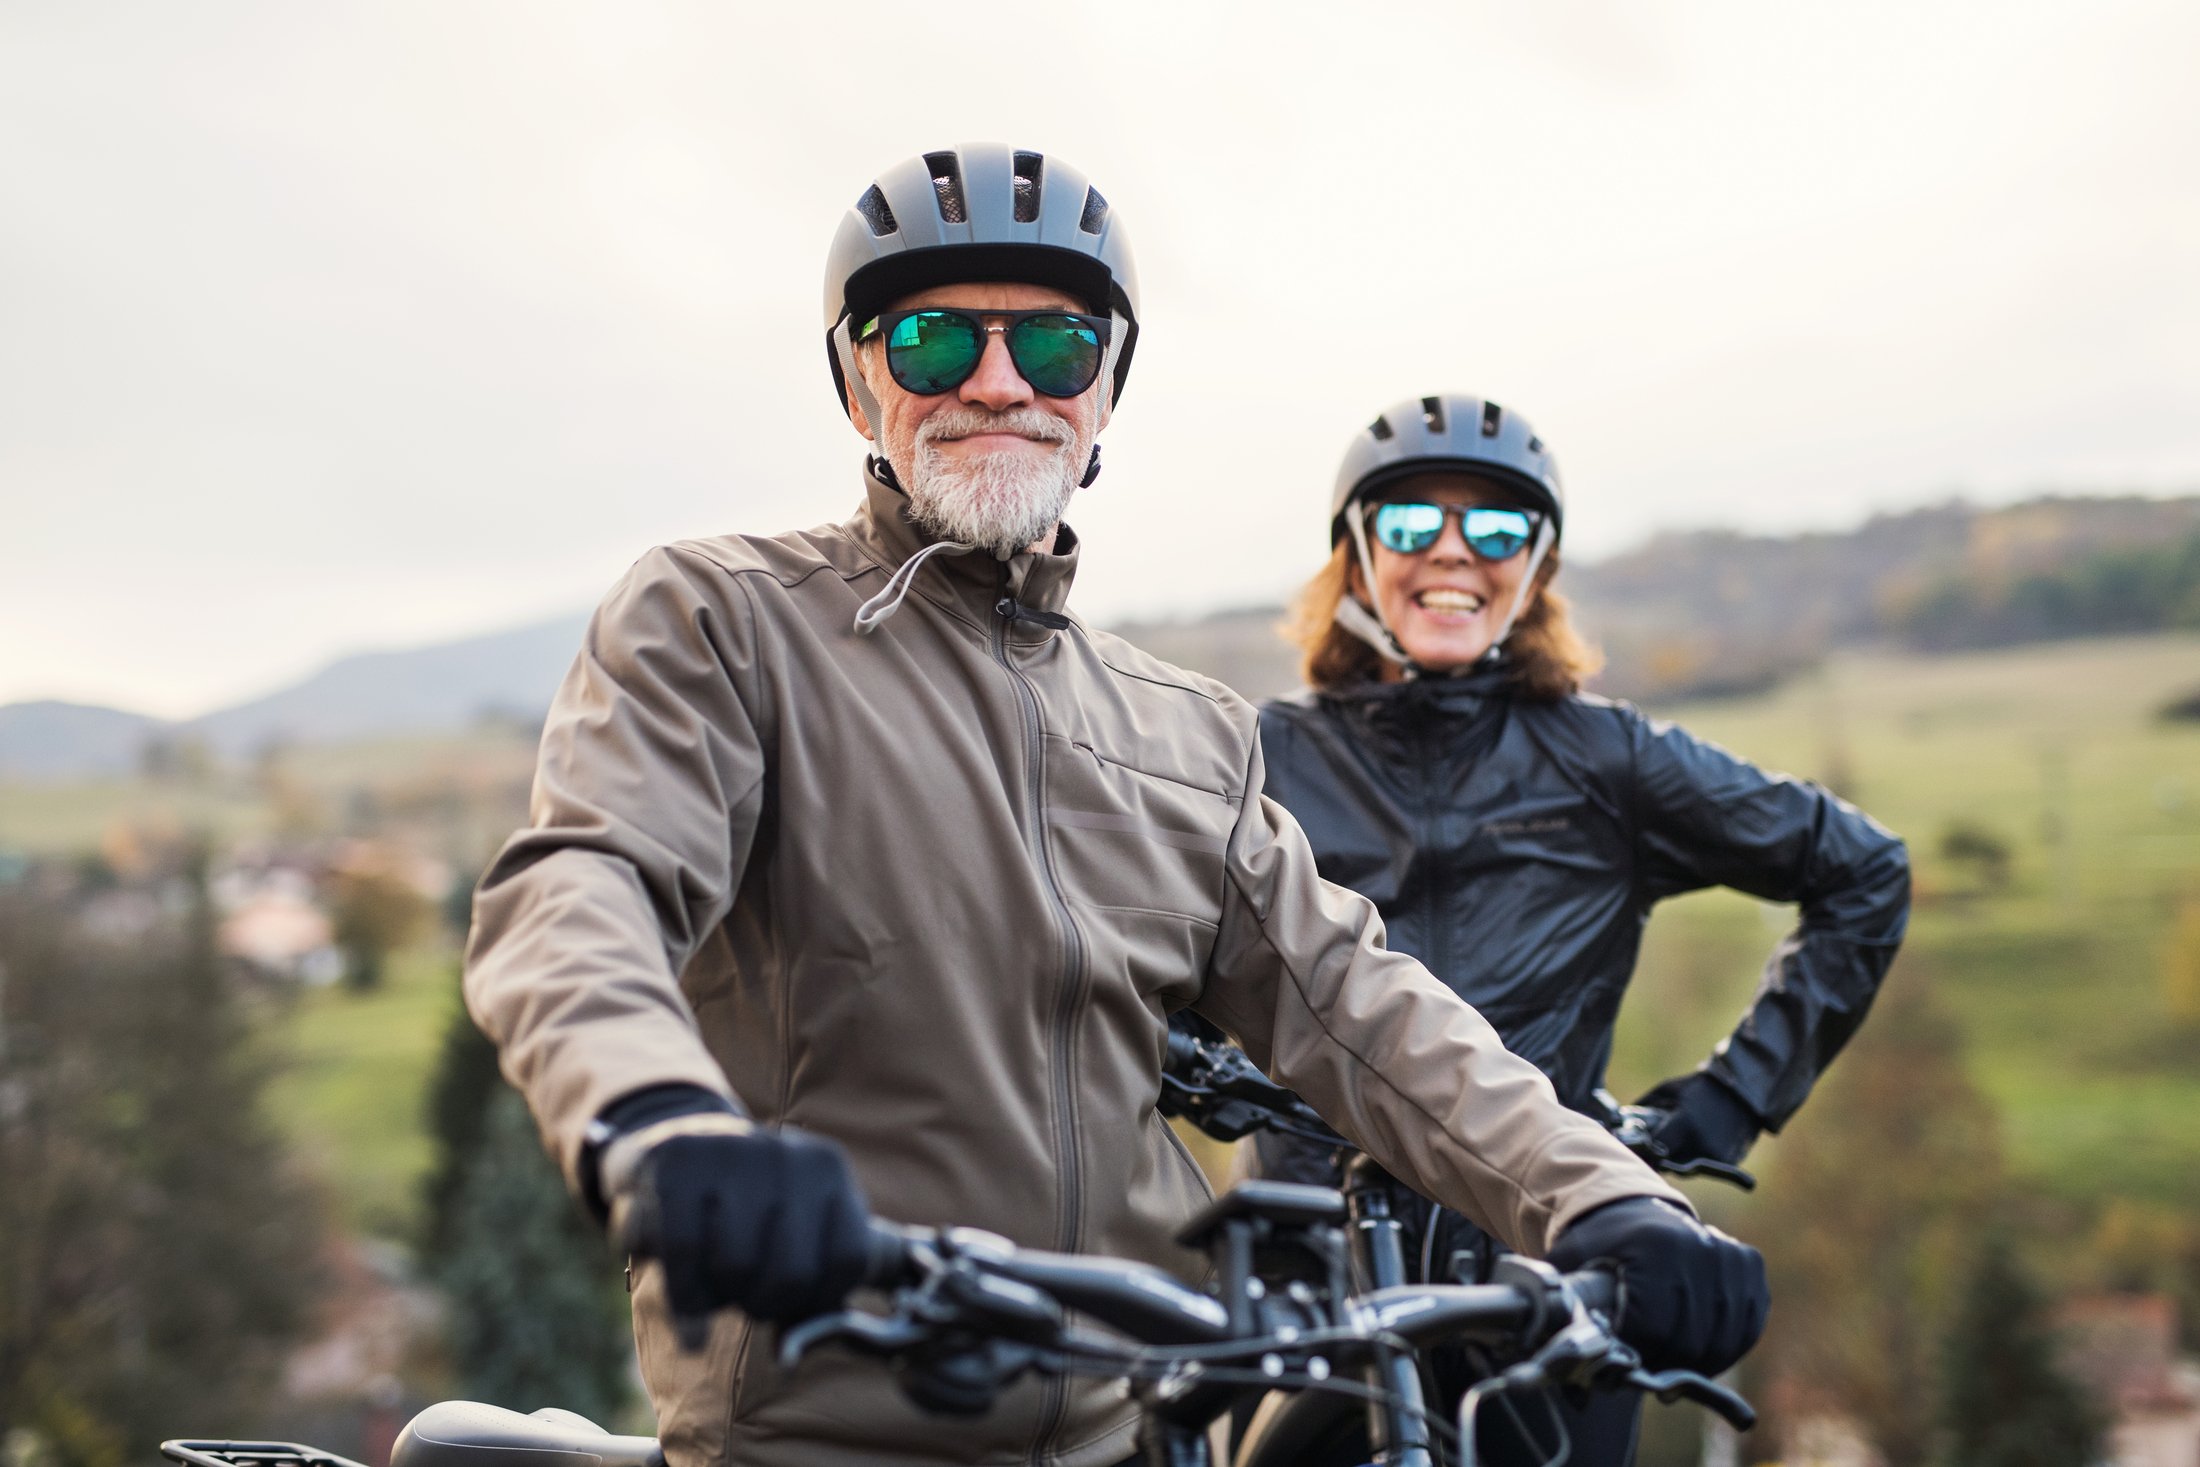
column 1491, row 533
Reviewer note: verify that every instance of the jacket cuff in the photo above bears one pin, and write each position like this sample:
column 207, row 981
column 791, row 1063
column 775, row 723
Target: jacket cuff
column 625, row 1119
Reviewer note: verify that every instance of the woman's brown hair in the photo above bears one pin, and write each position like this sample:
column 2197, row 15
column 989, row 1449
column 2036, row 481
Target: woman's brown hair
column 1548, row 656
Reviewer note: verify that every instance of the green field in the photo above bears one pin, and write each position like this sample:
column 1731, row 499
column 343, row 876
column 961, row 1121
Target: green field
column 351, row 1087
column 2056, row 977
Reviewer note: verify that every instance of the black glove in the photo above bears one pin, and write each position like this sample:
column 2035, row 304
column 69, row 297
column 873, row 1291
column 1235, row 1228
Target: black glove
column 1695, row 1299
column 1705, row 1121
column 770, row 1221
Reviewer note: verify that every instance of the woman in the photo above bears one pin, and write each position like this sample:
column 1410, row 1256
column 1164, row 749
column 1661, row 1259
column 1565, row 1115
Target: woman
column 1515, row 832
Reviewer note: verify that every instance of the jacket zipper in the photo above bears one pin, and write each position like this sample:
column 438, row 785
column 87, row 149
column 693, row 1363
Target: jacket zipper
column 1055, row 1400
column 1439, row 884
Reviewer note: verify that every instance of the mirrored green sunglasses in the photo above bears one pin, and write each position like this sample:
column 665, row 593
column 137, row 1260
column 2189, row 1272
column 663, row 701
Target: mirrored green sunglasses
column 935, row 350
column 1492, row 533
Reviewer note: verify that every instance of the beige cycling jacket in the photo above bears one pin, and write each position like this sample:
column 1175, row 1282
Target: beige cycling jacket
column 933, row 892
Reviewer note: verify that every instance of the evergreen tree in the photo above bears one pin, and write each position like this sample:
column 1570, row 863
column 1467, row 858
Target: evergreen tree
column 466, row 1079
column 1874, row 1199
column 157, row 1256
column 2006, row 1404
column 537, row 1316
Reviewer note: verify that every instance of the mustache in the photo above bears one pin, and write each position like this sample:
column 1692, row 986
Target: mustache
column 1027, row 422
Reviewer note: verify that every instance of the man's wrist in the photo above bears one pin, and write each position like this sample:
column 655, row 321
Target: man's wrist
column 622, row 1159
column 650, row 1112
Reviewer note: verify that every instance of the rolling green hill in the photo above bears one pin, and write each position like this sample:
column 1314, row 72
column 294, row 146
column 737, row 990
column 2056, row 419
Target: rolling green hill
column 2057, row 977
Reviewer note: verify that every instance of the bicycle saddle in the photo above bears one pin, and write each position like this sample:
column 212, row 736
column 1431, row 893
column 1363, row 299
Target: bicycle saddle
column 470, row 1434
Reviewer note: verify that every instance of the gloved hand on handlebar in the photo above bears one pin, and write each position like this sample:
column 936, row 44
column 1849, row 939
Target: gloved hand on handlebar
column 770, row 1222
column 1705, row 1121
column 1694, row 1298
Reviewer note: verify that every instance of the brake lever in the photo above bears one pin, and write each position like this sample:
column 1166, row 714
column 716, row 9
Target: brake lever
column 1677, row 1385
column 1222, row 1093
column 1636, row 1128
column 870, row 1334
column 1704, row 1166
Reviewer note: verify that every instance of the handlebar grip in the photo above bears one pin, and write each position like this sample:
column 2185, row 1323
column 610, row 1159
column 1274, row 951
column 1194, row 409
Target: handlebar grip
column 1598, row 1289
column 890, row 1264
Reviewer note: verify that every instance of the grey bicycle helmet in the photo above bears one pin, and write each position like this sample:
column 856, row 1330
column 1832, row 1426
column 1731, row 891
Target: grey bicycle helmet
column 981, row 211
column 1455, row 432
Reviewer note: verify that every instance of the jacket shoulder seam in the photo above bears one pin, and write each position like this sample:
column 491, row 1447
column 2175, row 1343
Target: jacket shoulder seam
column 695, row 549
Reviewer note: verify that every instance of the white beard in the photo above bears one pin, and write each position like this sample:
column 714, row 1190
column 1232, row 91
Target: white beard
column 1003, row 502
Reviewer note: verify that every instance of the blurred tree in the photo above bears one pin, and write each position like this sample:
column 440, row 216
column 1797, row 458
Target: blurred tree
column 537, row 1314
column 157, row 1256
column 2181, row 966
column 458, row 906
column 2006, row 1403
column 1979, row 850
column 465, row 1081
column 374, row 911
column 177, row 759
column 1873, row 1200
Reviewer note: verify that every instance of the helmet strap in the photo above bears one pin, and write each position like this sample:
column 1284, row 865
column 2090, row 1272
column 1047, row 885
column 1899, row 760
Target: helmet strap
column 844, row 348
column 1117, row 335
column 1544, row 536
column 1355, row 615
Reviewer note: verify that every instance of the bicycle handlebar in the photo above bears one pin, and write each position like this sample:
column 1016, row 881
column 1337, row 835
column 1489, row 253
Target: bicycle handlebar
column 1142, row 1301
column 962, row 1282
column 1220, row 1090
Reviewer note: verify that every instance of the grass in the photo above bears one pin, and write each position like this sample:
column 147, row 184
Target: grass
column 352, row 1087
column 2055, row 979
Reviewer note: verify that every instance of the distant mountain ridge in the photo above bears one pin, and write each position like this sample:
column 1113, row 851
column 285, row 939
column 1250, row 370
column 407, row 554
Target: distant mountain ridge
column 367, row 695
column 1692, row 613
column 1716, row 611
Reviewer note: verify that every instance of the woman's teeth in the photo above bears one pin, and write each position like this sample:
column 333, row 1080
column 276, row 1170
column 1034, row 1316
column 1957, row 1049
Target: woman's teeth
column 1448, row 600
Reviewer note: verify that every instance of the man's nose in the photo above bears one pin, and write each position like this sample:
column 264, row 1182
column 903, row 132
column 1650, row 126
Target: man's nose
column 996, row 386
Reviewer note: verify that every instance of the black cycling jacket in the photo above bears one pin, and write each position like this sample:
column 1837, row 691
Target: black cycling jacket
column 1517, row 847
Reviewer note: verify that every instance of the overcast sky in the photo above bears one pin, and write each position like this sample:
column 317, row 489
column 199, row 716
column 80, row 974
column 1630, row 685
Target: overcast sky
column 326, row 327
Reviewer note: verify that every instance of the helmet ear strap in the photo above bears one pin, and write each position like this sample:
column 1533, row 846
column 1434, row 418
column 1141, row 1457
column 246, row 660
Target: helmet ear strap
column 1545, row 536
column 1355, row 615
column 1117, row 335
column 844, row 348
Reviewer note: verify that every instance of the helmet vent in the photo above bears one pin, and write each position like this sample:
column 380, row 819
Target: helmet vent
column 1535, row 445
column 1095, row 216
column 1381, row 431
column 1027, row 187
column 1432, row 413
column 947, row 184
column 873, row 207
column 1492, row 415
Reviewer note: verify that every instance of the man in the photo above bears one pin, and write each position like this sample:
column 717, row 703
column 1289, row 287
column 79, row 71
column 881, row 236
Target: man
column 855, row 831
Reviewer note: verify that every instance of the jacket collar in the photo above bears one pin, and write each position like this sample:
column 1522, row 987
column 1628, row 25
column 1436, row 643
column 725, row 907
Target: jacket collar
column 1485, row 688
column 972, row 580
